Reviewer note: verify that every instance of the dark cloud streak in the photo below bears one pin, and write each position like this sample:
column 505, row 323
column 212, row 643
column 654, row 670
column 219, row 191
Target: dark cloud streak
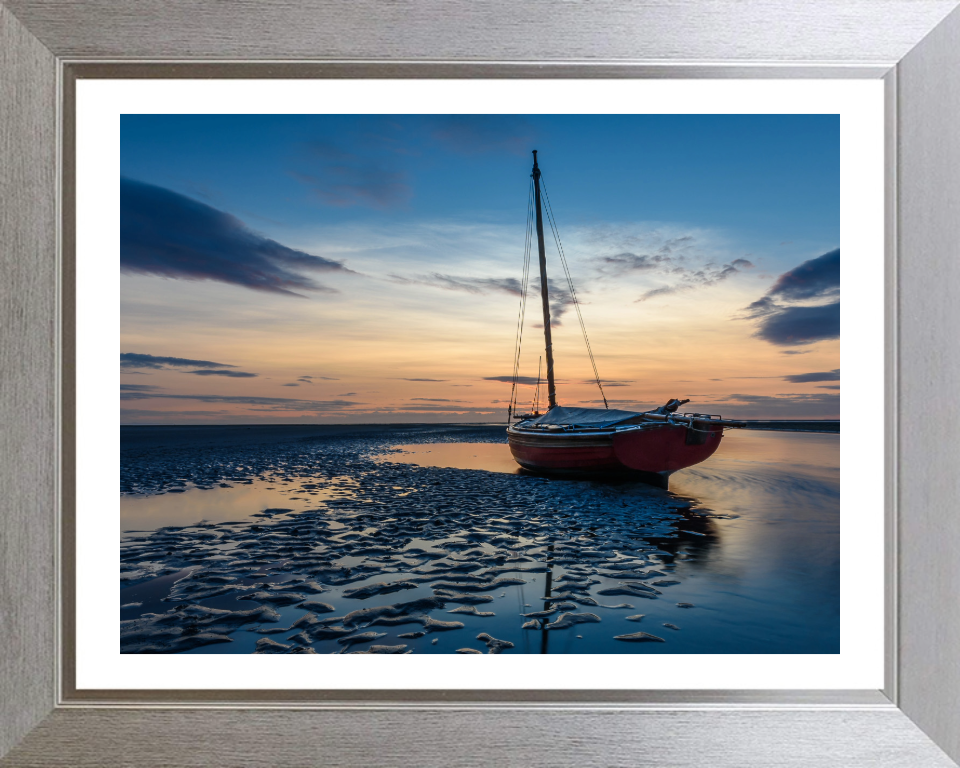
column 814, row 279
column 137, row 360
column 801, row 325
column 781, row 320
column 802, row 378
column 231, row 374
column 170, row 235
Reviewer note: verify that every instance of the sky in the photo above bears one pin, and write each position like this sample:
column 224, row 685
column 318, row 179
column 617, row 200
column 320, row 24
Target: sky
column 369, row 268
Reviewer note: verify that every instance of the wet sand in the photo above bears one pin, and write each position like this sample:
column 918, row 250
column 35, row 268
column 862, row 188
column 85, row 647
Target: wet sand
column 427, row 539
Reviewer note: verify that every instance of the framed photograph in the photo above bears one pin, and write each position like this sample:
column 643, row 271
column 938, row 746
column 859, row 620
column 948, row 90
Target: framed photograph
column 324, row 447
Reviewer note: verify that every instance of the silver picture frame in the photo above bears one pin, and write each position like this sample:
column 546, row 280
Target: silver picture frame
column 913, row 45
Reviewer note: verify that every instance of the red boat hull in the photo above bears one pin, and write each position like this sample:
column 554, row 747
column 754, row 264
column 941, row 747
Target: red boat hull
column 656, row 452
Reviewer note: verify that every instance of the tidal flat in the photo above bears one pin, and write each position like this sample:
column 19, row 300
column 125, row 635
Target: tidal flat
column 428, row 539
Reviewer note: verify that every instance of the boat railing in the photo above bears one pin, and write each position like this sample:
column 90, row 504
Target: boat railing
column 689, row 419
column 648, row 419
column 567, row 427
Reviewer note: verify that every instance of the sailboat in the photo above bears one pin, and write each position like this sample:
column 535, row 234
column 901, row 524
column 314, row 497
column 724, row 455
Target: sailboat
column 564, row 440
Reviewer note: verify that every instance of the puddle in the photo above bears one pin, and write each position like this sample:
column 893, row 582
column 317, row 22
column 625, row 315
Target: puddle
column 236, row 502
column 492, row 457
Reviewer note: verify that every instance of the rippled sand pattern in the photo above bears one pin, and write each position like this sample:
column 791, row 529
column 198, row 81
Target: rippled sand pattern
column 368, row 556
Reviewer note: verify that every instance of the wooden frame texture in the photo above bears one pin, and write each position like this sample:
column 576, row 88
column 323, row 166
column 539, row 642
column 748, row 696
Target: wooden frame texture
column 914, row 45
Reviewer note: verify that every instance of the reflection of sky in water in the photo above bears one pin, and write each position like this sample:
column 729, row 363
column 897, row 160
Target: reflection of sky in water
column 779, row 553
column 238, row 501
column 756, row 554
column 493, row 457
column 782, row 551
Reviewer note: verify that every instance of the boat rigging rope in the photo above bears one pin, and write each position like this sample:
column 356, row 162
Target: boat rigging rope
column 511, row 408
column 573, row 291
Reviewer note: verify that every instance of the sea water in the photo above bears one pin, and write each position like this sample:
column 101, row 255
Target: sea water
column 423, row 538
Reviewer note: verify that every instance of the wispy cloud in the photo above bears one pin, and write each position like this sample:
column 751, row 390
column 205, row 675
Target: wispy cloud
column 677, row 261
column 509, row 379
column 666, row 256
column 611, row 382
column 704, row 277
column 560, row 298
column 747, row 406
column 170, row 235
column 344, row 177
column 136, row 413
column 796, row 378
column 474, row 134
column 329, row 151
column 435, row 408
column 785, row 406
column 437, row 380
column 475, row 285
column 272, row 403
column 622, row 404
column 344, row 185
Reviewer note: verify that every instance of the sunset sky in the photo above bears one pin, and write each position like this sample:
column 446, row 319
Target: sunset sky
column 312, row 268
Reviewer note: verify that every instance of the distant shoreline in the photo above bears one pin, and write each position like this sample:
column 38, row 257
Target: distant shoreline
column 802, row 425
column 769, row 425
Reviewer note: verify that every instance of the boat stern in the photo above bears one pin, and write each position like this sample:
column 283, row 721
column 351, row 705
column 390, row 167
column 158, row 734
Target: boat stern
column 667, row 448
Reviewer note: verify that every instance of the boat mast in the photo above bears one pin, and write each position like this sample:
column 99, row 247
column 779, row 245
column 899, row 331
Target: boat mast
column 551, row 386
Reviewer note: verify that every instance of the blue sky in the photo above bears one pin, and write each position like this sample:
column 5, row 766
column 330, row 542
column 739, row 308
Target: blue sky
column 771, row 177
column 684, row 235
